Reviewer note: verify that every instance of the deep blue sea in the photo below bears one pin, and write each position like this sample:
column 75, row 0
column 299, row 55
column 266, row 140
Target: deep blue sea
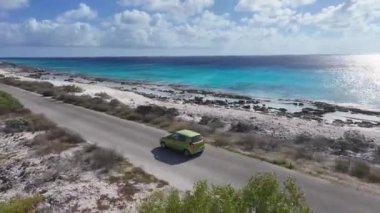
column 333, row 78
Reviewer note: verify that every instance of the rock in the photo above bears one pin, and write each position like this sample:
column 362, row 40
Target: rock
column 247, row 107
column 283, row 110
column 338, row 122
column 325, row 107
column 300, row 104
column 312, row 111
column 221, row 102
column 198, row 100
column 253, row 102
column 259, row 108
column 366, row 124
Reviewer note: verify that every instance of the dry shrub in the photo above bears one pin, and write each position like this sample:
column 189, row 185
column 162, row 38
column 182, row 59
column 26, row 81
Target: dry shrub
column 96, row 158
column 177, row 125
column 29, row 122
column 45, row 146
column 64, row 136
column 55, row 141
column 38, row 122
column 360, row 169
column 302, row 138
column 303, row 153
column 103, row 95
column 254, row 141
column 241, row 127
column 135, row 116
column 374, row 175
column 222, row 140
column 342, row 165
column 212, row 122
column 156, row 110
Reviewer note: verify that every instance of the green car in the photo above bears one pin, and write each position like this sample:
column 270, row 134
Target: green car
column 186, row 141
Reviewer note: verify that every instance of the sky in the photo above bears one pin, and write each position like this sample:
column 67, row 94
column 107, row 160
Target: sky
column 188, row 27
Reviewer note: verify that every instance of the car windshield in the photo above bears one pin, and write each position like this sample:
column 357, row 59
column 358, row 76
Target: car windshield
column 197, row 138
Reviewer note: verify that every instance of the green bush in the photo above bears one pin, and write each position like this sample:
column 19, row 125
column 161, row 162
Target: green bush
column 374, row 175
column 41, row 87
column 263, row 193
column 16, row 125
column 70, row 89
column 21, row 205
column 360, row 169
column 8, row 104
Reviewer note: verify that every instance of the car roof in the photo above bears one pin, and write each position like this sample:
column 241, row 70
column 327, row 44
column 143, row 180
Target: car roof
column 188, row 133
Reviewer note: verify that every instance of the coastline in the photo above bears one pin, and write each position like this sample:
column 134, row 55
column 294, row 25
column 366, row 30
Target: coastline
column 283, row 118
column 319, row 110
column 198, row 106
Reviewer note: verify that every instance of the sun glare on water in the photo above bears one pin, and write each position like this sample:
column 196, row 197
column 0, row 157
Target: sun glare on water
column 360, row 78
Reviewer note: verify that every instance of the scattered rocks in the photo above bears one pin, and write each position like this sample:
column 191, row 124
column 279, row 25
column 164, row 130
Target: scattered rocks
column 325, row 107
column 312, row 111
column 338, row 122
column 366, row 124
column 246, row 107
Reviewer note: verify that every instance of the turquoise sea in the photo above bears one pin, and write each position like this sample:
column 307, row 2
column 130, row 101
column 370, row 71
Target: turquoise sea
column 333, row 78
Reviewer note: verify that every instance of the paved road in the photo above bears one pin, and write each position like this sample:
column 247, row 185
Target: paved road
column 139, row 144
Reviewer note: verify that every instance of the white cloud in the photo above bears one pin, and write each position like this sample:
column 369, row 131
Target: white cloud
column 13, row 4
column 82, row 12
column 265, row 5
column 351, row 16
column 265, row 31
column 49, row 33
column 132, row 17
column 180, row 9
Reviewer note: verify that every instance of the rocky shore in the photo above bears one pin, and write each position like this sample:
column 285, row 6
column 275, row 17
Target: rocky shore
column 285, row 120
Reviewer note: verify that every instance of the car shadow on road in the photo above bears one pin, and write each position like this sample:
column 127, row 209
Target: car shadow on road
column 169, row 156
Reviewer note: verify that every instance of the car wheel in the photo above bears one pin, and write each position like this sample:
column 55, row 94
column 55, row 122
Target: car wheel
column 163, row 145
column 187, row 153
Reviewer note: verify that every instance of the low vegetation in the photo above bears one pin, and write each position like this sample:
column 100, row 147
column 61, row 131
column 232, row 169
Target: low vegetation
column 263, row 193
column 8, row 104
column 83, row 159
column 70, row 89
column 241, row 136
column 358, row 168
column 55, row 140
column 95, row 158
column 28, row 122
column 21, row 204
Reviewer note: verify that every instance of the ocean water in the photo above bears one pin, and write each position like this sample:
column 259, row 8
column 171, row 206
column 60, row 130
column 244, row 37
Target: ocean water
column 340, row 79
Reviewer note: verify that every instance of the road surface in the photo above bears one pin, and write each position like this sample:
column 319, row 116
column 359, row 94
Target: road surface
column 139, row 143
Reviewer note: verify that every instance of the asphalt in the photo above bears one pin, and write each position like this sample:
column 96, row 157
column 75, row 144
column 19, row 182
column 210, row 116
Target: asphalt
column 140, row 144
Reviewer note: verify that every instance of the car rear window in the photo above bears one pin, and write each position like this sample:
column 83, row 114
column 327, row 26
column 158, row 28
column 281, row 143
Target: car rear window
column 197, row 138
